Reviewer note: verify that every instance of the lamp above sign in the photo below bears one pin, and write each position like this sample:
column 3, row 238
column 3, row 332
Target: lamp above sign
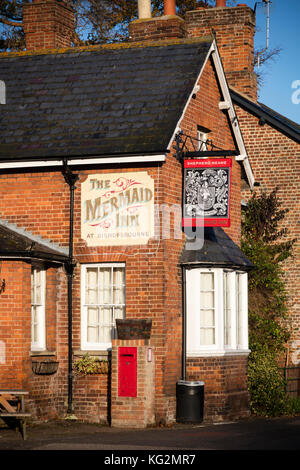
column 206, row 199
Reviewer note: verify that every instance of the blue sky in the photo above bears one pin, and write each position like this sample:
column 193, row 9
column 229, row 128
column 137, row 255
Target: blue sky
column 277, row 91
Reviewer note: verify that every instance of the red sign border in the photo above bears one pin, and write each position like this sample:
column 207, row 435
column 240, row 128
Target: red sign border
column 209, row 222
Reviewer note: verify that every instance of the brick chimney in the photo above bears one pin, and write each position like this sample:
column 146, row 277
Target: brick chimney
column 48, row 24
column 234, row 29
column 152, row 29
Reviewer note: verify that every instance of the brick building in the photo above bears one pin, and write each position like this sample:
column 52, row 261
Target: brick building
column 271, row 140
column 94, row 143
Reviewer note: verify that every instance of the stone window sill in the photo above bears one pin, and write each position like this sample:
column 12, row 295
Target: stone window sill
column 42, row 353
column 98, row 354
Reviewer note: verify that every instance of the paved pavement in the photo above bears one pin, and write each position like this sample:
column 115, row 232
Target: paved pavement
column 250, row 434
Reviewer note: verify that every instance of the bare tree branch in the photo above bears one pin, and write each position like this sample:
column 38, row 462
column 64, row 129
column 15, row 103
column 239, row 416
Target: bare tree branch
column 14, row 24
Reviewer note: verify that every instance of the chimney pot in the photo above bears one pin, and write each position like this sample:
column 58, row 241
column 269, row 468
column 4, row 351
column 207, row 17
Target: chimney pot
column 220, row 3
column 169, row 7
column 144, row 9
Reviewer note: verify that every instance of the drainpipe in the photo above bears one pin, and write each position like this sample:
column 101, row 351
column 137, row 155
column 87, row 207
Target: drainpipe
column 70, row 179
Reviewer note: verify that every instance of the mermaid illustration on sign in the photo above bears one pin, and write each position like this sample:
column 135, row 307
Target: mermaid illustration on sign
column 207, row 192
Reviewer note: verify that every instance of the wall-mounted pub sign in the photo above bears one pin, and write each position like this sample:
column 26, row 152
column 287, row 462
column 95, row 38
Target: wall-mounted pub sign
column 207, row 192
column 117, row 209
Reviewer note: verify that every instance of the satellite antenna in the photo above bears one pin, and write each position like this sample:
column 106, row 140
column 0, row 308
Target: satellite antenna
column 267, row 4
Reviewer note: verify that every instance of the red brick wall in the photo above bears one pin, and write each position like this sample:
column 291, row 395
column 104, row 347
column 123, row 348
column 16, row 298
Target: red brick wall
column 234, row 29
column 153, row 277
column 38, row 202
column 91, row 395
column 48, row 24
column 15, row 323
column 165, row 27
column 134, row 411
column 204, row 111
column 225, row 389
column 15, row 332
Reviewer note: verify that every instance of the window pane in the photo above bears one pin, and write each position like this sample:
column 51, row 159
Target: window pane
column 92, row 286
column 106, row 323
column 93, row 325
column 207, row 336
column 207, row 282
column 207, row 318
column 227, row 309
column 105, row 301
column 207, row 300
column 32, row 287
column 207, row 309
column 105, row 286
column 118, row 287
column 34, row 325
column 35, row 333
column 37, row 308
column 36, row 292
column 93, row 317
column 119, row 312
column 238, row 309
column 92, row 334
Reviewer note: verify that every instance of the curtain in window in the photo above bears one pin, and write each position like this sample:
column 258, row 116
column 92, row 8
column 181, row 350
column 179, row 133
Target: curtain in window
column 105, row 299
column 37, row 308
column 207, row 309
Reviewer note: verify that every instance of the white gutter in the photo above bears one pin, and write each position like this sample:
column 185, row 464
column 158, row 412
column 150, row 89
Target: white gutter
column 83, row 161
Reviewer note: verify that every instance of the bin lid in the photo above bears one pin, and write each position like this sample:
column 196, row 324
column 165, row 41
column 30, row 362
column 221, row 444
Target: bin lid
column 189, row 383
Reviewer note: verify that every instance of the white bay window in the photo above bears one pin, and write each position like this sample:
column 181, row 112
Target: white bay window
column 217, row 311
column 103, row 301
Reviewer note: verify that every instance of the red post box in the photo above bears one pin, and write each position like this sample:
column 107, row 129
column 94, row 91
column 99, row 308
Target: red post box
column 127, row 374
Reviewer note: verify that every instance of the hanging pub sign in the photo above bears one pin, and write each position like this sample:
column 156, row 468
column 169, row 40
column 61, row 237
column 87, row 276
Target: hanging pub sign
column 207, row 192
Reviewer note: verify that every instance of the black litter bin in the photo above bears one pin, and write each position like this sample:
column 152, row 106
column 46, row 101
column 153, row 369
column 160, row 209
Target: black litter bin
column 189, row 401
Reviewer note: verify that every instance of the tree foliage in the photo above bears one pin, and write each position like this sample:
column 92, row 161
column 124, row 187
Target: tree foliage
column 265, row 242
column 267, row 245
column 11, row 31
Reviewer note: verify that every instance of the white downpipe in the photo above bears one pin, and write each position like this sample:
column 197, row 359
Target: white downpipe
column 144, row 9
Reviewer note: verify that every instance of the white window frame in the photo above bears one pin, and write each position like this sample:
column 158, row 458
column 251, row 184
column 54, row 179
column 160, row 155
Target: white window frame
column 85, row 344
column 202, row 140
column 40, row 344
column 193, row 307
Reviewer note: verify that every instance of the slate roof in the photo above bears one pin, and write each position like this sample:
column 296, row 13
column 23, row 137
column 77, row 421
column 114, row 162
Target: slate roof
column 18, row 242
column 101, row 100
column 268, row 115
column 218, row 251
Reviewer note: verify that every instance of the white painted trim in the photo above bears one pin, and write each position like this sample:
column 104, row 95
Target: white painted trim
column 40, row 345
column 224, row 105
column 243, row 279
column 193, row 307
column 85, row 345
column 232, row 279
column 232, row 116
column 83, row 161
column 218, row 353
